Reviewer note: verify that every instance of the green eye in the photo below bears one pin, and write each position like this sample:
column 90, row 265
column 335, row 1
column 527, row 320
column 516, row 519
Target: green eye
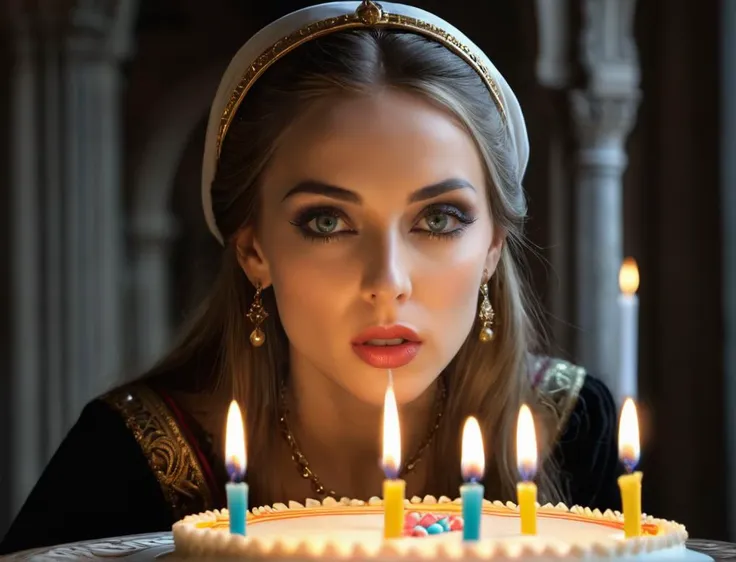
column 325, row 223
column 437, row 222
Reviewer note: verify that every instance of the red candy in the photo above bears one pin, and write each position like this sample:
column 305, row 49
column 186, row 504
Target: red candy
column 412, row 518
column 418, row 524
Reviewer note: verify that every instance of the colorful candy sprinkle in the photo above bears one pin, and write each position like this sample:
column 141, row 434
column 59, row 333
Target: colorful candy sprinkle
column 456, row 524
column 412, row 517
column 422, row 525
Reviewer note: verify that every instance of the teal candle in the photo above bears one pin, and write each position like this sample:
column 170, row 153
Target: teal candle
column 235, row 464
column 471, row 494
column 237, row 506
column 472, row 468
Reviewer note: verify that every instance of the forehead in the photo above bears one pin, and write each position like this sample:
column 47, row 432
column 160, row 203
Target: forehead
column 389, row 140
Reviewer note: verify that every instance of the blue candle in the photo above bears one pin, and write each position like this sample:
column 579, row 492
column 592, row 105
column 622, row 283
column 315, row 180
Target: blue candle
column 471, row 494
column 472, row 467
column 237, row 489
column 237, row 506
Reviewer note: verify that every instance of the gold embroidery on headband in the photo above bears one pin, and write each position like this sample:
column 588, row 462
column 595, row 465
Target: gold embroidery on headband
column 368, row 14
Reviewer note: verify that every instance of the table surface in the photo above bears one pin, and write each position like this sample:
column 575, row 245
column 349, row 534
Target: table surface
column 150, row 547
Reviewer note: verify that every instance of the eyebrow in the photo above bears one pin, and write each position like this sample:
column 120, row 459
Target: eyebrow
column 335, row 192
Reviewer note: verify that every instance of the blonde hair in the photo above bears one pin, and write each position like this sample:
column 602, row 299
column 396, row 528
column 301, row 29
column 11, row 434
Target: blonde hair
column 489, row 381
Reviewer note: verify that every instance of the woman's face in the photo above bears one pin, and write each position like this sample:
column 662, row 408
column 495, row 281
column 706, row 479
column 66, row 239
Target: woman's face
column 375, row 233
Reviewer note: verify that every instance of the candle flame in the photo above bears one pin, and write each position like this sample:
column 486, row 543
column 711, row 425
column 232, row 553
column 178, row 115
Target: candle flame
column 526, row 444
column 473, row 459
column 391, row 434
column 628, row 436
column 235, row 457
column 628, row 277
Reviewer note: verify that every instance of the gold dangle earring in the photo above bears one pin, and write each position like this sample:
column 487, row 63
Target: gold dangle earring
column 257, row 314
column 486, row 315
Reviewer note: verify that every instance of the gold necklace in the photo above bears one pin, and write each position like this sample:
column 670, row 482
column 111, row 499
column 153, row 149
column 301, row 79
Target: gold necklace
column 302, row 463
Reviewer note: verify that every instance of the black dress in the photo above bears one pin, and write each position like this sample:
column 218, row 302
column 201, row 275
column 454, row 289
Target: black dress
column 117, row 475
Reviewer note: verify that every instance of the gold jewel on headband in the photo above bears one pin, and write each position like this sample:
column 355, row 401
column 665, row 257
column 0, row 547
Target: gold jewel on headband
column 368, row 14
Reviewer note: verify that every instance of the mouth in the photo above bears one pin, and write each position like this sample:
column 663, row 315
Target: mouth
column 386, row 336
column 387, row 347
column 385, row 343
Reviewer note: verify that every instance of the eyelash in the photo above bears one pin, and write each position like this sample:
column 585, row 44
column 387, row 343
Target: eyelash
column 305, row 217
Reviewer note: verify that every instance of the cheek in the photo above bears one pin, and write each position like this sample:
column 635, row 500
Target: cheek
column 451, row 271
column 312, row 289
column 449, row 289
column 450, row 295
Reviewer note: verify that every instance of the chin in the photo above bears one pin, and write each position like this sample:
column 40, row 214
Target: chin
column 409, row 385
column 410, row 388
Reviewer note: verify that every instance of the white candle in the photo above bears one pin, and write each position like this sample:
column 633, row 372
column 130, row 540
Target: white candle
column 628, row 305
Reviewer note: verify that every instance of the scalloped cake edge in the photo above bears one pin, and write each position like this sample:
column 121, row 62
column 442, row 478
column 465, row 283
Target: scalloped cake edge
column 192, row 540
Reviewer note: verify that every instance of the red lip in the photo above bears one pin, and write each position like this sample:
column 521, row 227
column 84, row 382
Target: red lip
column 386, row 333
column 387, row 356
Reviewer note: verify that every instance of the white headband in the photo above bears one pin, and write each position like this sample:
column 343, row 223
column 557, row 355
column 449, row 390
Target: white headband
column 285, row 34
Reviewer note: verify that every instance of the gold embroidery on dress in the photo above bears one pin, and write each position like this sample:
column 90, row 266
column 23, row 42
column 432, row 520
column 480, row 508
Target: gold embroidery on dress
column 559, row 387
column 169, row 455
column 367, row 15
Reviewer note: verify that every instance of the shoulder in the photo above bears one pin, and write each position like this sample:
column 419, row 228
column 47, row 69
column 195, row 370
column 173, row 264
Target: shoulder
column 136, row 405
column 64, row 505
column 558, row 385
column 579, row 401
column 594, row 408
column 585, row 448
column 168, row 442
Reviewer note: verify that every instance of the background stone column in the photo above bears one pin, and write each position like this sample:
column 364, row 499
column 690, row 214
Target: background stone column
column 66, row 214
column 604, row 113
column 554, row 74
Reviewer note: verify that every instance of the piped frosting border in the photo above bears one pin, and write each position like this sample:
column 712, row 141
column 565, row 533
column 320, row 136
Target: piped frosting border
column 195, row 535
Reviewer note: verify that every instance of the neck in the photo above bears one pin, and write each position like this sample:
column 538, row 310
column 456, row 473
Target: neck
column 340, row 435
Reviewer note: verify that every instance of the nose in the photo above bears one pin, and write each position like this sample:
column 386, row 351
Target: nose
column 386, row 278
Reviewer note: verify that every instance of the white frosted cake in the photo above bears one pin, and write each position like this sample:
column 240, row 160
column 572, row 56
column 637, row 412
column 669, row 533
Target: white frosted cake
column 353, row 530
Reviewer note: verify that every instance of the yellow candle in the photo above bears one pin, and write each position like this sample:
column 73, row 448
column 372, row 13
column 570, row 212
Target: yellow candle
column 630, row 484
column 393, row 487
column 526, row 493
column 526, row 458
column 393, row 503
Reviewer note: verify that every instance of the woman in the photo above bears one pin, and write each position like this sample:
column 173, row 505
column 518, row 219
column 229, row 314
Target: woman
column 363, row 171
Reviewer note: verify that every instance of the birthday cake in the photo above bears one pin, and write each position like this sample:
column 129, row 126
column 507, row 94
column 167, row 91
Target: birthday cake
column 353, row 530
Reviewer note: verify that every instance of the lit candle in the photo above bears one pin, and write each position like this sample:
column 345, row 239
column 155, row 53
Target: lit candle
column 393, row 487
column 526, row 460
column 628, row 304
column 630, row 483
column 472, row 466
column 237, row 490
